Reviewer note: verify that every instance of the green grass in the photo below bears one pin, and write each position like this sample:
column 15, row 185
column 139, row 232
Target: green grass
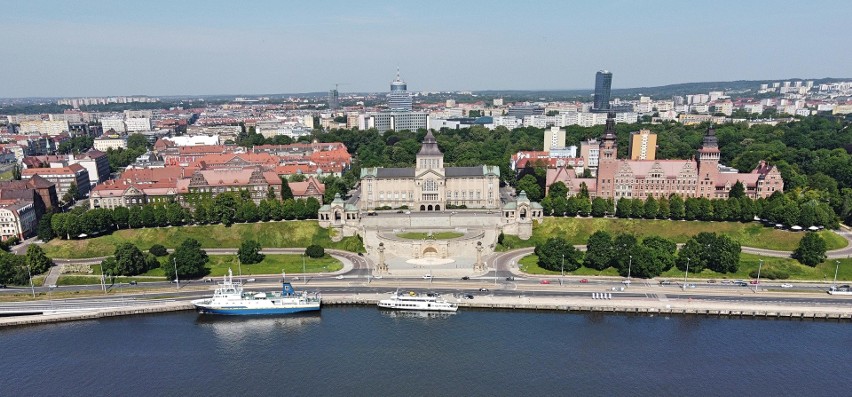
column 578, row 230
column 436, row 235
column 294, row 234
column 6, row 176
column 272, row 264
column 218, row 266
column 748, row 263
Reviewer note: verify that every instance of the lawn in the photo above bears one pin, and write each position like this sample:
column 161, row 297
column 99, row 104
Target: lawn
column 748, row 263
column 218, row 266
column 291, row 234
column 578, row 230
column 436, row 235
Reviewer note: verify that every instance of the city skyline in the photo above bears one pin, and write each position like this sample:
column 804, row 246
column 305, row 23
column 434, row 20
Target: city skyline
column 162, row 49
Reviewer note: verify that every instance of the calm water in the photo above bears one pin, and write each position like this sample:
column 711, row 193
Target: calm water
column 367, row 352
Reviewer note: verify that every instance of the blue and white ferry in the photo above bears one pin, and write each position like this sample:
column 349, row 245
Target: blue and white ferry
column 229, row 298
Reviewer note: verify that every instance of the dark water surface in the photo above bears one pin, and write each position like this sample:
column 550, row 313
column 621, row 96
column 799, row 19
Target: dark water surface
column 362, row 351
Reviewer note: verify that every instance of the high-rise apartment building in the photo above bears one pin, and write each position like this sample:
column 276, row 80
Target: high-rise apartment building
column 554, row 137
column 603, row 87
column 399, row 99
column 643, row 145
column 333, row 99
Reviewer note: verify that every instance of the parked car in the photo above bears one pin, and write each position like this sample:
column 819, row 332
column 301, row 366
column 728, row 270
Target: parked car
column 339, row 277
column 754, row 282
column 510, row 279
column 2, row 285
column 483, row 290
column 666, row 282
column 545, row 281
column 250, row 280
column 465, row 278
column 711, row 281
column 740, row 283
column 132, row 282
column 468, row 296
column 427, row 276
column 378, row 277
column 626, row 282
column 585, row 280
column 786, row 285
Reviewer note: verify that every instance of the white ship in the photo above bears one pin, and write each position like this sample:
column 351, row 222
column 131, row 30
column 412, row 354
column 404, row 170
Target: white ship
column 229, row 298
column 414, row 301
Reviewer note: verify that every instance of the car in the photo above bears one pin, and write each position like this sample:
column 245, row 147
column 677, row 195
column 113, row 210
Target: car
column 585, row 280
column 360, row 254
column 754, row 282
column 666, row 282
column 407, row 212
column 208, row 280
column 399, row 212
column 174, row 281
column 132, row 282
column 626, row 282
column 465, row 278
column 711, row 281
column 545, row 281
column 510, row 278
column 427, row 276
column 339, row 277
column 2, row 285
column 786, row 285
column 468, row 296
column 51, row 286
column 740, row 283
column 483, row 290
column 250, row 280
column 726, row 281
column 377, row 277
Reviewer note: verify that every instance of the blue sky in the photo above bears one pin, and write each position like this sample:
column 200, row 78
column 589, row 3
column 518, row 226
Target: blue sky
column 93, row 48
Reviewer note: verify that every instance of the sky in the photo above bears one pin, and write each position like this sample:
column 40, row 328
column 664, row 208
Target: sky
column 161, row 48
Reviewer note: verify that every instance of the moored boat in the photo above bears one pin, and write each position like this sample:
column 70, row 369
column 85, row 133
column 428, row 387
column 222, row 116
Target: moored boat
column 415, row 301
column 229, row 298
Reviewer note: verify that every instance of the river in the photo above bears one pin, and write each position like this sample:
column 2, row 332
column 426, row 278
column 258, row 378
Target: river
column 362, row 351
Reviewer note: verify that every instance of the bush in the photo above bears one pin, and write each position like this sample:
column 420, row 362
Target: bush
column 158, row 250
column 315, row 251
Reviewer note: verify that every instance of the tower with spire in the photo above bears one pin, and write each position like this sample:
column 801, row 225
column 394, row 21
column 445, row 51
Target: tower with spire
column 429, row 157
column 608, row 158
column 708, row 164
column 398, row 98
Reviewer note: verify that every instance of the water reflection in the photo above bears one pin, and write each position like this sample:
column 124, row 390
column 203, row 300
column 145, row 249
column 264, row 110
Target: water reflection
column 402, row 314
column 236, row 328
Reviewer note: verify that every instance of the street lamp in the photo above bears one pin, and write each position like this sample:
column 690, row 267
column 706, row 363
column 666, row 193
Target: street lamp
column 31, row 280
column 836, row 268
column 563, row 269
column 304, row 272
column 686, row 273
column 177, row 279
column 759, row 265
column 629, row 266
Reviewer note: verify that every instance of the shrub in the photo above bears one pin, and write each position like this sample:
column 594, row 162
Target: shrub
column 158, row 250
column 315, row 251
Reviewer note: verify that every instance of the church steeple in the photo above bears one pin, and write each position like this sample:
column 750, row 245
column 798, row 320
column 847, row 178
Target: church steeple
column 609, row 130
column 710, row 146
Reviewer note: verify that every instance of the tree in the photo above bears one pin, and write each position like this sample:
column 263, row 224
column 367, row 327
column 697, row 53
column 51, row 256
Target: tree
column 624, row 208
column 158, row 250
column 599, row 251
column 676, row 207
column 249, row 252
column 45, row 230
column 529, row 184
column 189, row 258
column 737, row 191
column 315, row 251
column 37, row 260
column 120, row 217
column 551, row 254
column 557, row 189
column 599, row 207
column 128, row 261
column 622, row 244
column 137, row 141
column 71, row 194
column 708, row 250
column 652, row 207
column 664, row 251
column 811, row 250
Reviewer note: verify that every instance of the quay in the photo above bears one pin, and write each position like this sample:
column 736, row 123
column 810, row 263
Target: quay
column 573, row 304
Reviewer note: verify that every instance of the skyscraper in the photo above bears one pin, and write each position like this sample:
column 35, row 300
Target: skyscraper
column 333, row 99
column 399, row 99
column 603, row 86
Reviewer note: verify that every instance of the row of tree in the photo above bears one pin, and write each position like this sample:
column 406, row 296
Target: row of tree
column 646, row 259
column 805, row 209
column 225, row 208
